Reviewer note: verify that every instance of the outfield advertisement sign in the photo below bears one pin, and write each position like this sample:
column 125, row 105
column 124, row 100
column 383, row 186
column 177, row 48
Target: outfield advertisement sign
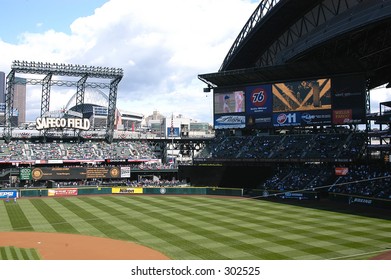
column 121, row 190
column 8, row 194
column 25, row 174
column 63, row 192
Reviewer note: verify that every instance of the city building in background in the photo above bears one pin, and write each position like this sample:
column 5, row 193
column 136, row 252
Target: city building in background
column 19, row 101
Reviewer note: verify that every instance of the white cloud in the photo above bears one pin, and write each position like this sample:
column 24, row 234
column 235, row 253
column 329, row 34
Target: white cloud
column 161, row 45
column 378, row 95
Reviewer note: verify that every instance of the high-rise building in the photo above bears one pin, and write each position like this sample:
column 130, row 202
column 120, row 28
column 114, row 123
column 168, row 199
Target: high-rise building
column 2, row 87
column 20, row 99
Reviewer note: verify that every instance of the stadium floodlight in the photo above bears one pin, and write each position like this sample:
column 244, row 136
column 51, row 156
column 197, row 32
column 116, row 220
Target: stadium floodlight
column 63, row 69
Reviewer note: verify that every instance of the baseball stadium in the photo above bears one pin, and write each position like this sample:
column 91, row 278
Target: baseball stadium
column 297, row 168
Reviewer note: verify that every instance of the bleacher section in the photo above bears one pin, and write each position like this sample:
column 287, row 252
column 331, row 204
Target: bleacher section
column 25, row 151
column 295, row 147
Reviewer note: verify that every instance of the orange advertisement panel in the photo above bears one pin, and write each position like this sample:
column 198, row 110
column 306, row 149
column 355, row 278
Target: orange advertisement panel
column 63, row 192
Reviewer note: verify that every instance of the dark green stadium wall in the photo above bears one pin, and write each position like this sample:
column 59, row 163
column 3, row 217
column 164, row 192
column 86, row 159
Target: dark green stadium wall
column 225, row 176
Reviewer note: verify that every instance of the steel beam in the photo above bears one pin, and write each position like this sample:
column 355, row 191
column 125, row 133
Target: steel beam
column 112, row 109
column 9, row 104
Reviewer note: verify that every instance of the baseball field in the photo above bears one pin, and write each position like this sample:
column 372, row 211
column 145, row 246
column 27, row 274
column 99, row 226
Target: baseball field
column 199, row 227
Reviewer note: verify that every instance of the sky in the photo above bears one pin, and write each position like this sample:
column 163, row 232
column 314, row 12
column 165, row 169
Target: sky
column 162, row 46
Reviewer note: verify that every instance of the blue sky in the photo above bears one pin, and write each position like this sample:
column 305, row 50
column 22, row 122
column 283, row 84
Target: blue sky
column 20, row 16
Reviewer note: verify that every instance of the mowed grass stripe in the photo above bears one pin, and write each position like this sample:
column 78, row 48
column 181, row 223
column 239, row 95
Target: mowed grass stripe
column 111, row 213
column 54, row 219
column 292, row 231
column 278, row 234
column 5, row 223
column 137, row 224
column 3, row 253
column 311, row 240
column 17, row 217
column 343, row 228
column 200, row 226
column 194, row 248
column 73, row 219
column 34, row 217
column 147, row 228
column 279, row 237
column 107, row 229
column 14, row 253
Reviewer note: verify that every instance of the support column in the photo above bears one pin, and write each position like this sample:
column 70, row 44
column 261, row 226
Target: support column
column 111, row 109
column 45, row 104
column 9, row 104
column 81, row 88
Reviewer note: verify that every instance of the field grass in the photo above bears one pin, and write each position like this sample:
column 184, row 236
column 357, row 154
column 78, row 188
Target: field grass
column 200, row 227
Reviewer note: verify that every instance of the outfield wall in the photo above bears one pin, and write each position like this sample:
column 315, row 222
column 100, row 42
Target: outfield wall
column 79, row 191
column 361, row 200
column 60, row 192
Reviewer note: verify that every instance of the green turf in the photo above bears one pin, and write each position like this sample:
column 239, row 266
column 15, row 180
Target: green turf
column 199, row 227
column 13, row 253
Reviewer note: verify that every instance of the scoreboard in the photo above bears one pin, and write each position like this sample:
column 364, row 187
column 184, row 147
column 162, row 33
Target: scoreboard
column 71, row 173
column 323, row 101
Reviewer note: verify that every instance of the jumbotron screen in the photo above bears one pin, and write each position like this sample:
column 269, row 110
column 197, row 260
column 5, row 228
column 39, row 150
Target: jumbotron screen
column 323, row 101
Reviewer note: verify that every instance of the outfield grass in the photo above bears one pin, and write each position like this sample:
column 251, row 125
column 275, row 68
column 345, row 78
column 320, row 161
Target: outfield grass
column 199, row 227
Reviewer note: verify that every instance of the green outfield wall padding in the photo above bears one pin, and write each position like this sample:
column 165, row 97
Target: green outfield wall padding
column 33, row 192
column 152, row 190
column 94, row 190
column 170, row 190
column 223, row 191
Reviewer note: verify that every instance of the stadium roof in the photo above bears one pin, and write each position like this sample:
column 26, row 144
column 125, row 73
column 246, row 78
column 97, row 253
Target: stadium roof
column 316, row 39
column 289, row 71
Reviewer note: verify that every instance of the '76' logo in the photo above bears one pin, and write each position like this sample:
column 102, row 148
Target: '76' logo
column 259, row 97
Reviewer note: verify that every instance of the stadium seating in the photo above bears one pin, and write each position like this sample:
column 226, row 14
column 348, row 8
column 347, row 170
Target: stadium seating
column 23, row 150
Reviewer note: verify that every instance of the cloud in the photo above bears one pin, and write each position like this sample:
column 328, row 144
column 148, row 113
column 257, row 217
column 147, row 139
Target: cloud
column 161, row 45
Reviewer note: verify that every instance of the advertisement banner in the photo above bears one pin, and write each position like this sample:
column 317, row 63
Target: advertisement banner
column 321, row 117
column 348, row 99
column 341, row 171
column 125, row 171
column 259, row 121
column 65, row 173
column 259, row 99
column 63, row 192
column 122, row 190
column 343, row 116
column 229, row 121
column 287, row 119
column 9, row 194
column 174, row 132
column 25, row 174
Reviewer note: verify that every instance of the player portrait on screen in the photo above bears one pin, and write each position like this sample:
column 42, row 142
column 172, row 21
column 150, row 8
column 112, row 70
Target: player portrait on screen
column 229, row 102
